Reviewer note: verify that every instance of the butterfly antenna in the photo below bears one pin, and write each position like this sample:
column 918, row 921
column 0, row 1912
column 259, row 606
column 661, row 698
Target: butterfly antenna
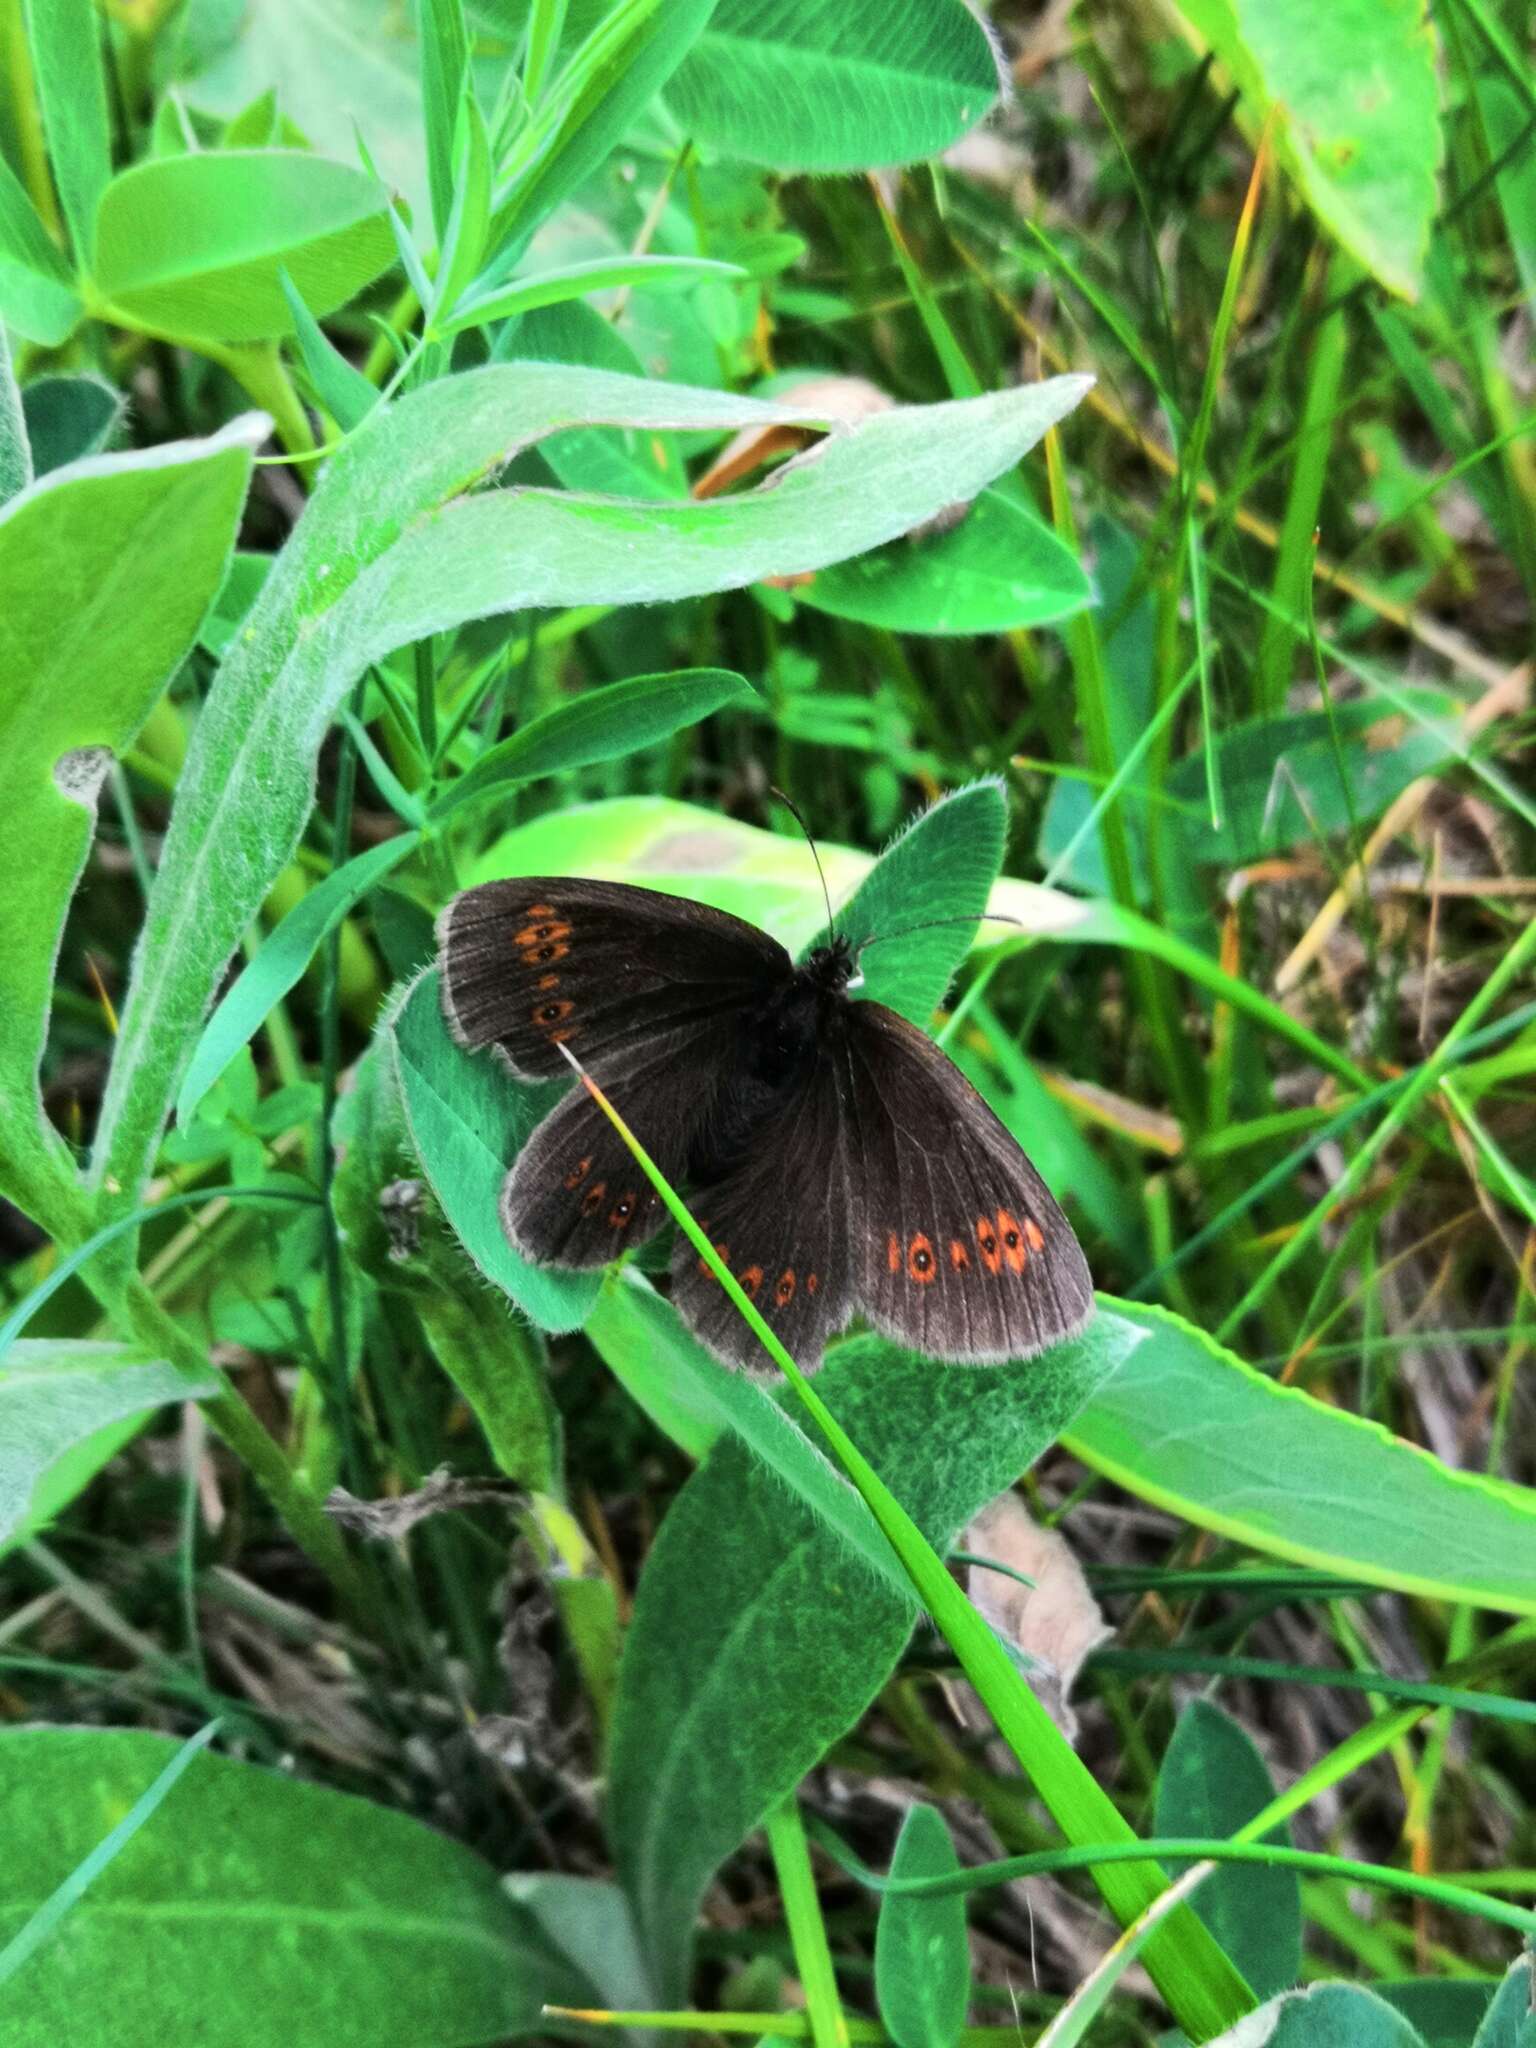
column 906, row 932
column 794, row 811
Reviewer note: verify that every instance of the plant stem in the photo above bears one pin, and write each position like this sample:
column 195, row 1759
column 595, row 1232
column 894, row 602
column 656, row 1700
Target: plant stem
column 807, row 1929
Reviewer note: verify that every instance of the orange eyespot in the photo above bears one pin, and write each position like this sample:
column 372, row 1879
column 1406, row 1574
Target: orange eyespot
column 547, row 952
column 552, row 1013
column 922, row 1266
column 1034, row 1234
column 749, row 1281
column 986, row 1238
column 723, row 1254
column 784, row 1292
column 893, row 1252
column 579, row 1172
column 592, row 1200
column 548, row 981
column 623, row 1210
column 535, row 933
column 1013, row 1242
column 536, row 911
column 959, row 1257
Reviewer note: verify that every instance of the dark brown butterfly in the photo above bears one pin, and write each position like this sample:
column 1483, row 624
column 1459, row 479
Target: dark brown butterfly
column 835, row 1156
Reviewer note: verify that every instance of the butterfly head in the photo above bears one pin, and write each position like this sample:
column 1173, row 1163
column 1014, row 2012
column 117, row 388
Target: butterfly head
column 830, row 967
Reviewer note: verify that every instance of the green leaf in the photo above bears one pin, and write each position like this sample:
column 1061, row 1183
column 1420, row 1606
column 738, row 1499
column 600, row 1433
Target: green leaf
column 604, row 460
column 1447, row 2011
column 607, row 82
column 195, row 246
column 69, row 418
column 15, row 451
column 340, row 387
column 922, row 1953
column 600, row 725
column 65, row 1407
column 388, row 551
column 64, row 43
column 334, row 73
column 37, row 293
column 251, row 1910
column 588, row 1920
column 444, row 75
column 1509, row 2020
column 469, row 1120
column 1212, row 1782
column 1327, row 2016
column 469, row 217
column 1189, row 1427
column 575, row 280
column 278, row 963
column 496, row 1365
column 938, row 873
column 1362, row 141
column 1000, row 568
column 1304, row 776
column 759, row 1637
column 105, row 572
column 803, row 86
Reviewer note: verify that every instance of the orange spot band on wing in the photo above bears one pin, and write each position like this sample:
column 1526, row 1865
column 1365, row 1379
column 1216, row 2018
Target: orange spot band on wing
column 784, row 1292
column 749, row 1280
column 579, row 1172
column 893, row 1252
column 1013, row 1240
column 922, row 1266
column 986, row 1239
column 1035, row 1235
column 959, row 1257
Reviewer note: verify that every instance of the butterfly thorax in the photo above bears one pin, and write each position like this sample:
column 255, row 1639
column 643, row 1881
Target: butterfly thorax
column 780, row 1040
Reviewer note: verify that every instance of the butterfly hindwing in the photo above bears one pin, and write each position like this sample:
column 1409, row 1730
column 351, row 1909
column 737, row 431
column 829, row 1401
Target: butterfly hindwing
column 612, row 971
column 780, row 1221
column 962, row 1251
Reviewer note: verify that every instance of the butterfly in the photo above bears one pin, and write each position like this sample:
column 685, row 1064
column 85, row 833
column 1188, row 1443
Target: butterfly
column 836, row 1158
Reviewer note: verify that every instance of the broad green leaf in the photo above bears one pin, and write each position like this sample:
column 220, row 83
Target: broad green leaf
column 251, row 1910
column 1000, row 568
column 1447, row 2011
column 1327, row 2016
column 922, row 1952
column 695, row 1400
column 69, row 418
column 937, row 875
column 278, row 963
column 759, row 1638
column 1510, row 2021
column 15, row 450
column 196, row 246
column 606, row 460
column 65, row 1407
column 64, row 44
column 340, row 387
column 468, row 1121
column 1189, row 1427
column 37, row 293
column 1212, row 1781
column 388, row 551
column 1362, row 140
column 807, row 87
column 600, row 725
column 588, row 1920
column 575, row 280
column 105, row 570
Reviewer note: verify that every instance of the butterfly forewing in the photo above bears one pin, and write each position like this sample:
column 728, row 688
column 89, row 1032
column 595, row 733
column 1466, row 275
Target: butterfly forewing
column 611, row 971
column 961, row 1250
